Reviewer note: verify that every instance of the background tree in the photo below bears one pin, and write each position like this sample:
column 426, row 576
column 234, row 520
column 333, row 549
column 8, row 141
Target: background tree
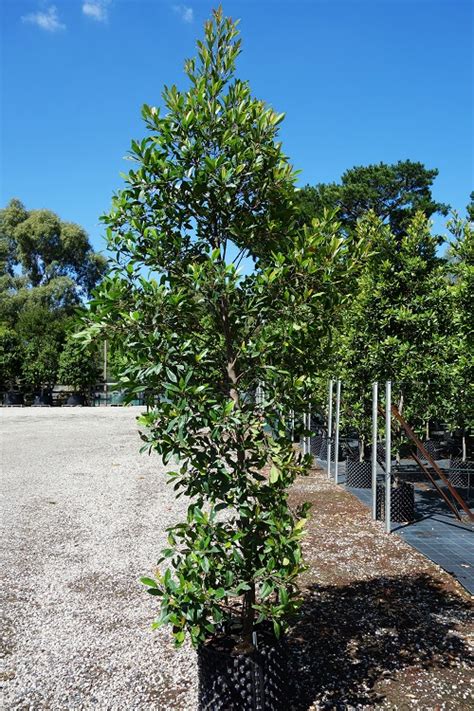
column 45, row 247
column 47, row 267
column 212, row 186
column 398, row 326
column 461, row 264
column 78, row 366
column 10, row 358
column 41, row 339
column 470, row 207
column 393, row 192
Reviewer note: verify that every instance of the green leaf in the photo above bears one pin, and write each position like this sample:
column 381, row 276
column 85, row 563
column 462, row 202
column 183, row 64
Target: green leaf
column 274, row 474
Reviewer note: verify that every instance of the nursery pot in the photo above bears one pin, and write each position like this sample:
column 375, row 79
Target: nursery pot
column 76, row 400
column 316, row 444
column 459, row 471
column 234, row 681
column 402, row 503
column 14, row 398
column 433, row 448
column 358, row 474
column 323, row 452
column 44, row 399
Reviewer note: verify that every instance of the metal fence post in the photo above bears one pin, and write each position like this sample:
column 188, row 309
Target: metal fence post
column 388, row 454
column 329, row 439
column 336, row 440
column 375, row 388
column 309, row 429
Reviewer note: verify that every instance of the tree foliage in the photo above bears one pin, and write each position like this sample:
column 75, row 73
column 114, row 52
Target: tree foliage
column 41, row 339
column 398, row 326
column 47, row 266
column 461, row 405
column 395, row 193
column 46, row 248
column 78, row 365
column 212, row 186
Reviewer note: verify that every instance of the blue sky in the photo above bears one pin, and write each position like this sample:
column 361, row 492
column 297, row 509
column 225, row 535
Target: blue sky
column 361, row 81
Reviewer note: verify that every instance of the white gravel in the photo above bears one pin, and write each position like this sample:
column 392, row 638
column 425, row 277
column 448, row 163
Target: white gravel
column 83, row 518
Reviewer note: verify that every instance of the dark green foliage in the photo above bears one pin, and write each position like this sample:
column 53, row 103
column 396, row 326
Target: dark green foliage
column 41, row 339
column 211, row 187
column 393, row 192
column 10, row 358
column 78, row 365
column 470, row 207
column 461, row 402
column 398, row 326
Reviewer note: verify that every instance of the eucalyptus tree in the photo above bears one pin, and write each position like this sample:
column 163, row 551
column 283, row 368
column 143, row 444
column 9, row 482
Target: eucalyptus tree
column 212, row 186
column 47, row 267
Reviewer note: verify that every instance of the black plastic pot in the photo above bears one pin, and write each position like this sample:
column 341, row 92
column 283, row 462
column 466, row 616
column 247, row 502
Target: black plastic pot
column 433, row 448
column 13, row 398
column 402, row 503
column 76, row 400
column 230, row 681
column 316, row 444
column 43, row 400
column 358, row 474
column 323, row 452
column 459, row 472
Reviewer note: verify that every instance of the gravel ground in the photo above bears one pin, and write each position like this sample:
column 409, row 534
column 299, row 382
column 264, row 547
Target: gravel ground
column 84, row 516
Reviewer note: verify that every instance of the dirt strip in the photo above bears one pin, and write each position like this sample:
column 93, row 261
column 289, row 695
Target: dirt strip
column 381, row 625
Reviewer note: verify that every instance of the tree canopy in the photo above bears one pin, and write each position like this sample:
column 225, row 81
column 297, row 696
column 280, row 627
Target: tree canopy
column 394, row 193
column 211, row 186
column 46, row 248
column 47, row 268
column 399, row 326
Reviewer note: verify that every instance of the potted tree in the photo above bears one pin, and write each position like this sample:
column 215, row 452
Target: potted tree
column 460, row 408
column 212, row 190
column 10, row 367
column 396, row 328
column 41, row 335
column 78, row 368
column 39, row 368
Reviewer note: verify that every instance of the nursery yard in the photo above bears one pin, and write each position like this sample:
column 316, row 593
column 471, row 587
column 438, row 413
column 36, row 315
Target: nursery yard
column 84, row 516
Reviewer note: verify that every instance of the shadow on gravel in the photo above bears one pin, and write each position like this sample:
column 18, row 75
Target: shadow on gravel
column 348, row 638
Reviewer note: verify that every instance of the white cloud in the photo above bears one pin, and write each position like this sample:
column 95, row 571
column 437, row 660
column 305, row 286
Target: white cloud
column 186, row 13
column 96, row 9
column 47, row 20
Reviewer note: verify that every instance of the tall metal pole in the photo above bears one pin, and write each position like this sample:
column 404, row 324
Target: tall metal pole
column 105, row 372
column 309, row 429
column 305, row 437
column 336, row 440
column 375, row 388
column 388, row 454
column 329, row 440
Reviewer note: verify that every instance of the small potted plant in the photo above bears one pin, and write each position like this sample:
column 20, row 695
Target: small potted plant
column 212, row 188
column 78, row 368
